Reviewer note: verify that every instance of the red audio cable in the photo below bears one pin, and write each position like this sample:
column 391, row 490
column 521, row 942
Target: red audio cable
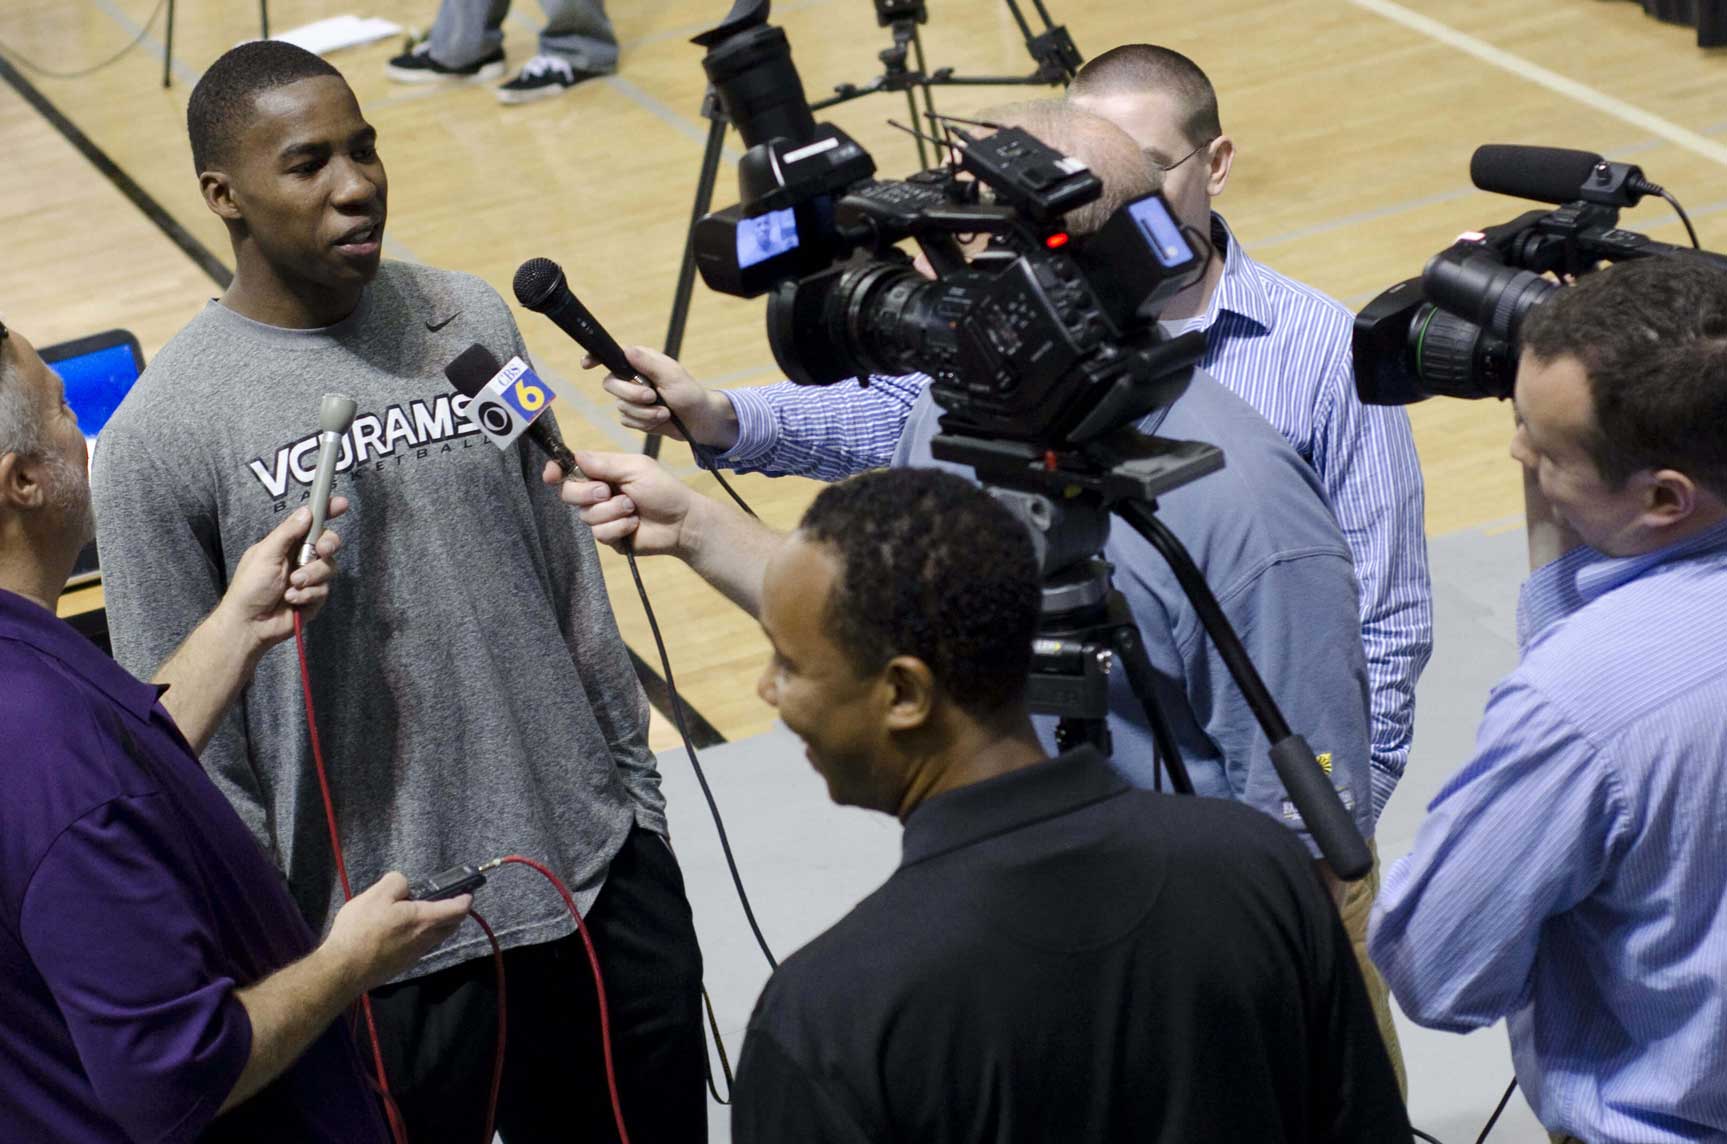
column 599, row 988
column 398, row 1129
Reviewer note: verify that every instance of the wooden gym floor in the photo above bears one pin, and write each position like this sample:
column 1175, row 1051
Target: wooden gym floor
column 1353, row 119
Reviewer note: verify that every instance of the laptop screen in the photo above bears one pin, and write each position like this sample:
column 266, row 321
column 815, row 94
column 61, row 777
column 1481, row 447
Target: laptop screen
column 98, row 372
column 96, row 382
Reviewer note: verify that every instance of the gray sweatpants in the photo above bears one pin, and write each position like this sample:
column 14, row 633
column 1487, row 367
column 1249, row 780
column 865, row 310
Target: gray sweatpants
column 576, row 30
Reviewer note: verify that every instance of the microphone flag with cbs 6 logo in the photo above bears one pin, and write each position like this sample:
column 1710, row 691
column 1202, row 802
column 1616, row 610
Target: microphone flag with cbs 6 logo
column 510, row 402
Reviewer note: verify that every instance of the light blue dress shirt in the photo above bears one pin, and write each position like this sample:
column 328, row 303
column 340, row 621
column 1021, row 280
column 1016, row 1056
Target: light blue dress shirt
column 1573, row 875
column 1284, row 348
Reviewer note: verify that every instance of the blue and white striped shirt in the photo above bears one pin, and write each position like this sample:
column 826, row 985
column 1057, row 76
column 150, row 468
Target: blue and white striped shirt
column 1284, row 348
column 1573, row 876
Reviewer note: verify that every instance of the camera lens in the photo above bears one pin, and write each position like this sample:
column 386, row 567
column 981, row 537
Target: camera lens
column 1475, row 285
column 863, row 319
column 1454, row 357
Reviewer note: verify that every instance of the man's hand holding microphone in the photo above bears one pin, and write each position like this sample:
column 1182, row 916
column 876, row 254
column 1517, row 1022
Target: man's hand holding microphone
column 648, row 408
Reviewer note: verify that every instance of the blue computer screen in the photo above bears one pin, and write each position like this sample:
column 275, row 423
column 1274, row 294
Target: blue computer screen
column 96, row 383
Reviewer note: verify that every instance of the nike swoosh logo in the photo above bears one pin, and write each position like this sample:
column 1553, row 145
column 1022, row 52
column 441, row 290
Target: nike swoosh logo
column 434, row 327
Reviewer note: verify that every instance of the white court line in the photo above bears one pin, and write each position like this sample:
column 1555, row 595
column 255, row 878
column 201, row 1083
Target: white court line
column 1691, row 141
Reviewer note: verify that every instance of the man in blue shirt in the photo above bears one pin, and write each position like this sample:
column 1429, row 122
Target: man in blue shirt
column 156, row 981
column 1571, row 877
column 1283, row 347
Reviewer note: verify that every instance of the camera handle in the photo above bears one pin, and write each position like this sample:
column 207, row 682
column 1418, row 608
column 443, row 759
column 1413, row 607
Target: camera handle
column 1315, row 799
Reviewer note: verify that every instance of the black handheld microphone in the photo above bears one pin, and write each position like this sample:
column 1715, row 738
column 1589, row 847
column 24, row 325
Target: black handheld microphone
column 471, row 372
column 540, row 286
column 1557, row 175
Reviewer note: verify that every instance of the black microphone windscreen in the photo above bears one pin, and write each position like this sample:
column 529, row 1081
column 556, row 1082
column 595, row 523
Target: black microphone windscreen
column 1545, row 174
column 536, row 281
column 472, row 369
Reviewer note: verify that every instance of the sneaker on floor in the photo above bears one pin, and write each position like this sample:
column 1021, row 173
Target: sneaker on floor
column 543, row 76
column 416, row 65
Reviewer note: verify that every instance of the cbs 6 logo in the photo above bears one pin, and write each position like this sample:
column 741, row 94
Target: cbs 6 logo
column 528, row 397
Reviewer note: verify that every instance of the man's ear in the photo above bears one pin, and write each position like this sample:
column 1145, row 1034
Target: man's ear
column 1669, row 499
column 911, row 693
column 20, row 489
column 1222, row 155
column 218, row 191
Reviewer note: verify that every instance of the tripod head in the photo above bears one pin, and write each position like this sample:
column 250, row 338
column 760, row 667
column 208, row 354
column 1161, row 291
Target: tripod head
column 1068, row 498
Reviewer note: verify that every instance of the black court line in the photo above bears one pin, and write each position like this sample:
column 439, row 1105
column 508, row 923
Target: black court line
column 140, row 198
column 702, row 733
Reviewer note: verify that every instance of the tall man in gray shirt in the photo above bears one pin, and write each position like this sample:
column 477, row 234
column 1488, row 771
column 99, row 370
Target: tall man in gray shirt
column 474, row 697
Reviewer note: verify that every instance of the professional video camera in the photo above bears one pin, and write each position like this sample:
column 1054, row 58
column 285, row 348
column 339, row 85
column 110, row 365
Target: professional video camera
column 1041, row 338
column 1044, row 354
column 1453, row 331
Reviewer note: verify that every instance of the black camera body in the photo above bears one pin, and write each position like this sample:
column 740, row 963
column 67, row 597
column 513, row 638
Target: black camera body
column 1453, row 331
column 1042, row 337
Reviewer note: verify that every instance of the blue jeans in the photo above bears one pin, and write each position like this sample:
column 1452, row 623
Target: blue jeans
column 576, row 30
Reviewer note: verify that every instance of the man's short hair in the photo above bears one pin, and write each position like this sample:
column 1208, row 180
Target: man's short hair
column 1136, row 69
column 221, row 103
column 1652, row 338
column 20, row 427
column 1109, row 151
column 934, row 567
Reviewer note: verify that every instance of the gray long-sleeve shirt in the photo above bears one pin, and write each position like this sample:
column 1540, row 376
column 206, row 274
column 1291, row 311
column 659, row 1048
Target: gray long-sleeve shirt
column 473, row 695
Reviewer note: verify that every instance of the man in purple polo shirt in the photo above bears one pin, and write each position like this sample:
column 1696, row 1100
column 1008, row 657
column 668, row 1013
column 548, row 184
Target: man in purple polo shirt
column 156, row 981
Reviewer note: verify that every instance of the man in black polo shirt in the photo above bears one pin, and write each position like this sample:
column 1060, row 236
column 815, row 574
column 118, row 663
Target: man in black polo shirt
column 1059, row 957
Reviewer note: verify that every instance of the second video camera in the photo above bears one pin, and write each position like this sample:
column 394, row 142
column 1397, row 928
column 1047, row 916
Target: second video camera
column 1453, row 331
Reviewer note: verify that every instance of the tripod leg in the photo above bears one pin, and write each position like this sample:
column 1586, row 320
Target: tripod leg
column 911, row 107
column 168, row 48
column 928, row 95
column 1019, row 18
column 687, row 272
column 1143, row 680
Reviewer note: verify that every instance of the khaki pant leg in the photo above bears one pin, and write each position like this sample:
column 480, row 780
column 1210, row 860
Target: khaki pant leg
column 1357, row 906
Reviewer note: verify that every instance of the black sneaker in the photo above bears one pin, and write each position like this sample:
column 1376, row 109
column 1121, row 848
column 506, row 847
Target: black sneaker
column 416, row 65
column 543, row 76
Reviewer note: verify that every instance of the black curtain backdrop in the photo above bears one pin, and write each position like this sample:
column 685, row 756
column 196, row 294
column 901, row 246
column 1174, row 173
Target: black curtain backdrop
column 1709, row 17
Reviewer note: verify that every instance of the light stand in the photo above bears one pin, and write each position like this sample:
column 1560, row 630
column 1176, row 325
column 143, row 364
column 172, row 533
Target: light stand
column 168, row 38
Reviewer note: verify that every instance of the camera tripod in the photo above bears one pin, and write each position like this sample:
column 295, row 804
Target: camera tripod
column 1053, row 51
column 1068, row 498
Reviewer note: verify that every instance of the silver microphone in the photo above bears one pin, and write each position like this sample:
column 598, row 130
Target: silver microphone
column 335, row 415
